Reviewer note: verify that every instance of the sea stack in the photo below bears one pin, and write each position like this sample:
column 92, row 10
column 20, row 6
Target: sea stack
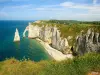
column 16, row 37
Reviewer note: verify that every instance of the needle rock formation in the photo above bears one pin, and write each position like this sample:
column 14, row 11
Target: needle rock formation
column 16, row 37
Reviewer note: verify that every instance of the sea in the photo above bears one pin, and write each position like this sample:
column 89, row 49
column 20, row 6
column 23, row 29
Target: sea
column 25, row 49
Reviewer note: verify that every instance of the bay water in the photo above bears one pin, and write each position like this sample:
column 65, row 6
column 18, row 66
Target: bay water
column 26, row 48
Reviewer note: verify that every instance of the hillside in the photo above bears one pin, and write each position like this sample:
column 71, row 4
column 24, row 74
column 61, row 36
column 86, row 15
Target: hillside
column 83, row 65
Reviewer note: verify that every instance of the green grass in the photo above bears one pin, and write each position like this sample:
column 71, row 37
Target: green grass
column 78, row 66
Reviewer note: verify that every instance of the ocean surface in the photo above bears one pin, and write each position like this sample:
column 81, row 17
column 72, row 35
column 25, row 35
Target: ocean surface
column 26, row 48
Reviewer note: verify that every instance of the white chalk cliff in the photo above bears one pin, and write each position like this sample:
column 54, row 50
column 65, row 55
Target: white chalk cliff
column 48, row 34
column 89, row 42
column 33, row 31
column 50, row 38
column 16, row 37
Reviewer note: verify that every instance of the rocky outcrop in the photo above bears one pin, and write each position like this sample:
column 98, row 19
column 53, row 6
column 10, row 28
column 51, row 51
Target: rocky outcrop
column 45, row 34
column 57, row 41
column 26, row 29
column 16, row 37
column 48, row 34
column 89, row 42
column 54, row 37
column 33, row 31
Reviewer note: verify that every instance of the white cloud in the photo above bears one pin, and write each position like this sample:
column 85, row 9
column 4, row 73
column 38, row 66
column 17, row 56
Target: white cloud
column 80, row 6
column 59, row 11
column 74, row 5
column 67, row 4
column 16, row 7
column 21, row 6
column 3, row 14
column 89, row 17
column 95, row 11
column 94, row 2
column 39, row 9
column 48, row 9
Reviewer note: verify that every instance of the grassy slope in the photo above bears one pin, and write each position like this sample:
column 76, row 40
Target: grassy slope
column 77, row 66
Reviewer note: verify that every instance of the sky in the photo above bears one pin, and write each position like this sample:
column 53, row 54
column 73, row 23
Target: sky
column 84, row 10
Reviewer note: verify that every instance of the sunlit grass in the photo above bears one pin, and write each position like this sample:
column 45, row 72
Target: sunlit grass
column 78, row 66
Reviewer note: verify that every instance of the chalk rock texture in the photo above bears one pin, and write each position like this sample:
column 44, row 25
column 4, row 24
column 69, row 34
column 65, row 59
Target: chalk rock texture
column 89, row 42
column 48, row 34
column 33, row 31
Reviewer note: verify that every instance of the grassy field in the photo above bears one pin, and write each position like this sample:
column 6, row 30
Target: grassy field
column 78, row 66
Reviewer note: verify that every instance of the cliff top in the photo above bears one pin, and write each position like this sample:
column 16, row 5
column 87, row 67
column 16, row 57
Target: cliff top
column 70, row 28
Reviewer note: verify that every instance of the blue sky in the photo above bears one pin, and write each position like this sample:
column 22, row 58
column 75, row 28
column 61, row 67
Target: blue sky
column 50, row 9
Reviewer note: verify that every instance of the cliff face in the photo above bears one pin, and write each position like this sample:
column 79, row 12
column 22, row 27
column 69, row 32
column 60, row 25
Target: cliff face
column 33, row 31
column 45, row 34
column 48, row 34
column 89, row 42
column 57, row 41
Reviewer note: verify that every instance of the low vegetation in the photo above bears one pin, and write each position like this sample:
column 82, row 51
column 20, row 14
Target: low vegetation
column 78, row 66
column 75, row 22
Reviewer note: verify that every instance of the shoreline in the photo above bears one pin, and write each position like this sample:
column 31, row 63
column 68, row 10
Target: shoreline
column 57, row 55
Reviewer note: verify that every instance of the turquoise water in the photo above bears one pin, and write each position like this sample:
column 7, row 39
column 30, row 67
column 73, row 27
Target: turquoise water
column 26, row 48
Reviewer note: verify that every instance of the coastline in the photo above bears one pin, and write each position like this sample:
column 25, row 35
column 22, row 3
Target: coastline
column 57, row 55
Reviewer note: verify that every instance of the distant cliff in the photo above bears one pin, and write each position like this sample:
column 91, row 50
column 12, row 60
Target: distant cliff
column 89, row 42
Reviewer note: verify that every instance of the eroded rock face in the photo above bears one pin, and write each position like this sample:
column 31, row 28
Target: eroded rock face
column 48, row 34
column 33, row 31
column 58, row 42
column 88, row 42
column 54, row 37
